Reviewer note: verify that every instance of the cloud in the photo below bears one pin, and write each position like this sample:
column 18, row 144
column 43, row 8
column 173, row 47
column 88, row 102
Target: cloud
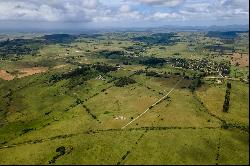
column 235, row 4
column 169, row 3
column 51, row 11
column 124, row 11
column 122, row 14
column 90, row 4
column 217, row 10
column 124, row 8
column 164, row 16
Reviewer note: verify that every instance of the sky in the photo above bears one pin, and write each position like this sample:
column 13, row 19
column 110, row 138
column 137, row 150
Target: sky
column 121, row 13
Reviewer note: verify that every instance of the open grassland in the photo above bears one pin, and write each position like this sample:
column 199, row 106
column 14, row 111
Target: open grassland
column 119, row 99
column 213, row 99
column 188, row 147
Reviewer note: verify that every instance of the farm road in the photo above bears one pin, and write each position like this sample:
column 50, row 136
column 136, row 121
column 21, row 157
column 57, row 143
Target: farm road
column 152, row 105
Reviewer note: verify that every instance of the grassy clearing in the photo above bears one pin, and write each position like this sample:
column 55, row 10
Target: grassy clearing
column 83, row 118
column 115, row 102
column 179, row 110
column 213, row 99
column 188, row 147
column 99, row 148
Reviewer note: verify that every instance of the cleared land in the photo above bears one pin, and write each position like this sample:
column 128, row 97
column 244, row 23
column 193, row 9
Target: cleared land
column 5, row 76
column 124, row 98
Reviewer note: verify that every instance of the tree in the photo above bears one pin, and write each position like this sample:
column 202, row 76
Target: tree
column 227, row 98
column 229, row 85
column 196, row 83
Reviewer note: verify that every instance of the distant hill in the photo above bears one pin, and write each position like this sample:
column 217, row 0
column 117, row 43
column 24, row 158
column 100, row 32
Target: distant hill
column 225, row 28
column 164, row 29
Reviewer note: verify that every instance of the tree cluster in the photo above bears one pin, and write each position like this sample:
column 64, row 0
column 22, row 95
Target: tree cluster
column 123, row 81
column 196, row 83
column 158, row 38
column 227, row 98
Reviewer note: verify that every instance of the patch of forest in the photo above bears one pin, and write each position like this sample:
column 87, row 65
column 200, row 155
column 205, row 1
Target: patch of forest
column 59, row 38
column 158, row 38
column 19, row 47
column 81, row 74
column 31, row 46
column 222, row 35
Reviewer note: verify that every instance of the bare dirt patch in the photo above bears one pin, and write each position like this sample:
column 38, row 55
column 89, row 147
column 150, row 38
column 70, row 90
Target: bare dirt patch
column 241, row 60
column 59, row 66
column 23, row 72
column 6, row 76
column 120, row 117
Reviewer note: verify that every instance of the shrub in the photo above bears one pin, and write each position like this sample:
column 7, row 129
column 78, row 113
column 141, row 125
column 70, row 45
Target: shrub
column 61, row 150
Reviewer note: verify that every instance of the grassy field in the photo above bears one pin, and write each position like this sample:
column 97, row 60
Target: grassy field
column 73, row 112
column 213, row 99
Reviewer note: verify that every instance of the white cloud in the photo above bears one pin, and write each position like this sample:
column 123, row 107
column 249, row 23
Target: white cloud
column 90, row 4
column 124, row 8
column 216, row 10
column 124, row 11
column 164, row 16
column 170, row 3
column 55, row 10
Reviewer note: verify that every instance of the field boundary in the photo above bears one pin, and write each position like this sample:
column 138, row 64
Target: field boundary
column 157, row 102
column 63, row 136
column 133, row 147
